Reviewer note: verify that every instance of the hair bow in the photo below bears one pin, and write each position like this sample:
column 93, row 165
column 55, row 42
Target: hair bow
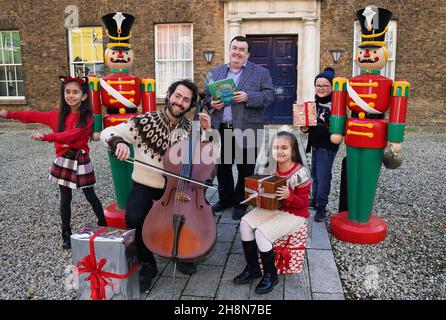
column 80, row 80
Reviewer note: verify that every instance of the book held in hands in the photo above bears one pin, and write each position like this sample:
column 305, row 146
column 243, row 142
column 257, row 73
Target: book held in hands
column 223, row 90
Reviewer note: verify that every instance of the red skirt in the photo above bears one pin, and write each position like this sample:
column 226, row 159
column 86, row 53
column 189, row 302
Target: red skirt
column 73, row 169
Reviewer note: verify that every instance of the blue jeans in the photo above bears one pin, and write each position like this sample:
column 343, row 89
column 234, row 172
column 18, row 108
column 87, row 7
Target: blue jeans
column 321, row 164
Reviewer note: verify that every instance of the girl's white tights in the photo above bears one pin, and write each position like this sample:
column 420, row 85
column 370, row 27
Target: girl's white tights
column 248, row 234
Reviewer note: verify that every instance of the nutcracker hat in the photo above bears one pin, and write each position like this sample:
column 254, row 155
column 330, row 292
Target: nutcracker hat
column 118, row 27
column 373, row 21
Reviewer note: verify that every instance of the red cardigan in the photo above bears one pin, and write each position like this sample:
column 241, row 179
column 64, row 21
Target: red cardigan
column 299, row 199
column 75, row 138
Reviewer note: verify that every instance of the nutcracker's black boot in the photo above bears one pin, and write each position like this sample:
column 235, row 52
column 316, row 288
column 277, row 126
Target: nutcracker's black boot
column 252, row 269
column 66, row 233
column 269, row 279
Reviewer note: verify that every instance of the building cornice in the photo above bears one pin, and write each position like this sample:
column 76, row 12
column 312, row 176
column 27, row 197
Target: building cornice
column 272, row 9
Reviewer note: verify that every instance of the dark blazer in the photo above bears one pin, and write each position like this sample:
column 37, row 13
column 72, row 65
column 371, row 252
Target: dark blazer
column 257, row 83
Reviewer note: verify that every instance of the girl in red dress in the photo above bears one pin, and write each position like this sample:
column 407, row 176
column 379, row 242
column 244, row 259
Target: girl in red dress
column 72, row 126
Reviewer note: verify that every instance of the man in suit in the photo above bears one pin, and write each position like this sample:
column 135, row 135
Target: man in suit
column 254, row 93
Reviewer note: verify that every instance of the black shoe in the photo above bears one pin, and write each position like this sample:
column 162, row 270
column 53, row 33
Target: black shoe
column 320, row 215
column 66, row 234
column 66, row 245
column 220, row 206
column 187, row 267
column 267, row 283
column 247, row 275
column 269, row 279
column 238, row 213
column 146, row 273
column 102, row 222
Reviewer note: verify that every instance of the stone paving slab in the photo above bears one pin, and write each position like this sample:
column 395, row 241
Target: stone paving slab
column 297, row 286
column 219, row 255
column 319, row 237
column 227, row 289
column 205, row 282
column 324, row 275
column 226, row 231
column 162, row 290
column 328, row 296
column 226, row 217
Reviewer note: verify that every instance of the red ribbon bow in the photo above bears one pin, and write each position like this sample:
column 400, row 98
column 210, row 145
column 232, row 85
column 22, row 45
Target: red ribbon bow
column 98, row 278
column 67, row 79
column 283, row 255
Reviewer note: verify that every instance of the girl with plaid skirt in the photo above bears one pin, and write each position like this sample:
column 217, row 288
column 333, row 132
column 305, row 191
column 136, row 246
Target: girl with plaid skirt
column 72, row 127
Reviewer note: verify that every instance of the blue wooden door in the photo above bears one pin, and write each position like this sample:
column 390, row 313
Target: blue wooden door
column 278, row 54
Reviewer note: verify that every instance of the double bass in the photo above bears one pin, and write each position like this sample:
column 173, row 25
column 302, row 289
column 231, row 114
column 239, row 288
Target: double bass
column 181, row 226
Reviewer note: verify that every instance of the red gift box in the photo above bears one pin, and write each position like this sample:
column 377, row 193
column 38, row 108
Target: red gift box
column 260, row 191
column 97, row 267
column 304, row 114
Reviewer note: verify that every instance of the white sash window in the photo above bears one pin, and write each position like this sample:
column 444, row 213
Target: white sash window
column 173, row 55
column 11, row 70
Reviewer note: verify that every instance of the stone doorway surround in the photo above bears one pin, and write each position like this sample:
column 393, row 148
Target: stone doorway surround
column 286, row 17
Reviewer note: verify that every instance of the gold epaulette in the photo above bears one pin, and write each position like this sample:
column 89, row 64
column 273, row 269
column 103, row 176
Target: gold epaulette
column 93, row 83
column 340, row 84
column 148, row 85
column 401, row 89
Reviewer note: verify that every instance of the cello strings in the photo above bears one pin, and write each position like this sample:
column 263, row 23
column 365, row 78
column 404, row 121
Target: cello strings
column 142, row 164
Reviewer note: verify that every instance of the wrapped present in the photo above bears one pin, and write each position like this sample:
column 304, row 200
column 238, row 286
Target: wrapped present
column 105, row 260
column 290, row 251
column 304, row 114
column 260, row 191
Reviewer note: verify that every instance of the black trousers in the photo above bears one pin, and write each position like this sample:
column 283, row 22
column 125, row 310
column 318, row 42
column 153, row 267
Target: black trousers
column 66, row 195
column 227, row 192
column 139, row 203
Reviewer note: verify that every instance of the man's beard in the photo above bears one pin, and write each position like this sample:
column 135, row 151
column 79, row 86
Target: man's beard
column 172, row 112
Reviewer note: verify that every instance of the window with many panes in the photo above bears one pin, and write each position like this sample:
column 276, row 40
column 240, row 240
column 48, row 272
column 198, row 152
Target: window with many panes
column 390, row 39
column 86, row 51
column 11, row 71
column 173, row 55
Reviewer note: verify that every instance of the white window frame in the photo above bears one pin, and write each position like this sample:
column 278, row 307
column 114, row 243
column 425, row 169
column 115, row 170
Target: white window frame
column 82, row 63
column 16, row 81
column 160, row 90
column 391, row 43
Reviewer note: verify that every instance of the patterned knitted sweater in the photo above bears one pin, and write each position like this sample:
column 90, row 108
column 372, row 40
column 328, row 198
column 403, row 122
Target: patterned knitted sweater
column 150, row 135
column 299, row 183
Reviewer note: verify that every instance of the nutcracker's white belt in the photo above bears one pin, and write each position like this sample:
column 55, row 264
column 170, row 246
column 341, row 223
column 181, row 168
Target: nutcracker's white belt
column 115, row 94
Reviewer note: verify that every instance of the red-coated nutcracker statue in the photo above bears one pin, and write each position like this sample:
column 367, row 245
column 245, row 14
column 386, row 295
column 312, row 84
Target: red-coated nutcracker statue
column 120, row 93
column 367, row 133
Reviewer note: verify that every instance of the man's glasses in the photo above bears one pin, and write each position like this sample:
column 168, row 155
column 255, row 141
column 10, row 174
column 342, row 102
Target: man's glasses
column 325, row 86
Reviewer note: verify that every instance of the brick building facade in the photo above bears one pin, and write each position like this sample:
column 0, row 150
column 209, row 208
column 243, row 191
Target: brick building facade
column 420, row 57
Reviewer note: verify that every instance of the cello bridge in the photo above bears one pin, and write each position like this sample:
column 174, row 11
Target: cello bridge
column 182, row 196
